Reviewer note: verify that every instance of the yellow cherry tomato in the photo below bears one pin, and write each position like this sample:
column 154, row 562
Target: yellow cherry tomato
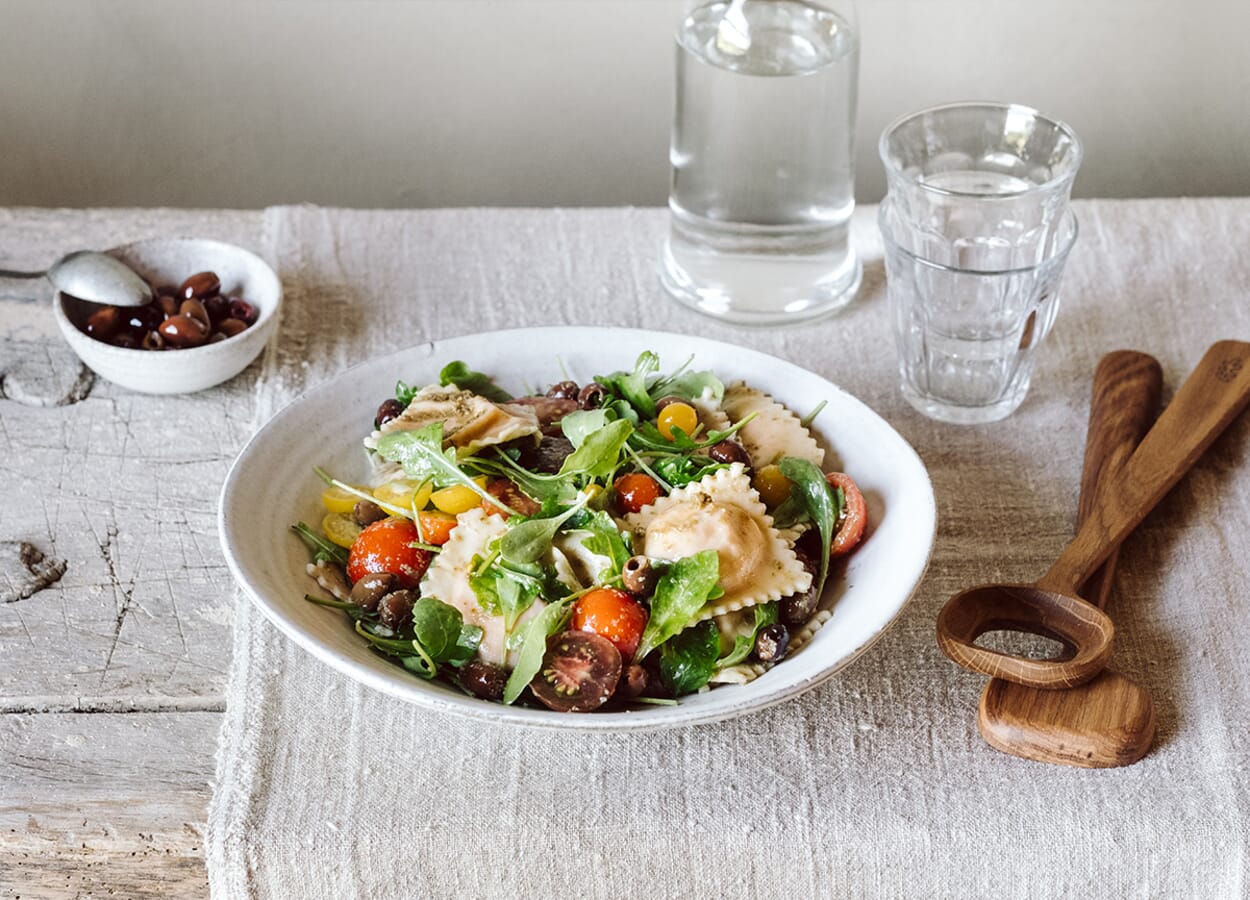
column 458, row 498
column 403, row 494
column 340, row 529
column 337, row 500
column 773, row 487
column 677, row 415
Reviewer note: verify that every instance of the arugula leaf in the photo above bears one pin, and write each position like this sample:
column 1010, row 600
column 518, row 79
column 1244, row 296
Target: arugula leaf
column 540, row 487
column 600, row 453
column 533, row 648
column 632, row 386
column 679, row 471
column 690, row 386
column 689, row 659
column 765, row 614
column 578, row 425
column 529, row 541
column 404, row 392
column 323, row 549
column 680, row 593
column 605, row 539
column 808, row 484
column 466, row 379
column 422, row 456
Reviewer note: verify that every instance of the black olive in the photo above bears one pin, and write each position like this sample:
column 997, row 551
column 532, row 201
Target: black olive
column 483, row 679
column 565, row 390
column 366, row 512
column 592, row 396
column 772, row 643
column 798, row 608
column 667, row 401
column 395, row 609
column 370, row 589
column 389, row 409
column 638, row 576
column 729, row 452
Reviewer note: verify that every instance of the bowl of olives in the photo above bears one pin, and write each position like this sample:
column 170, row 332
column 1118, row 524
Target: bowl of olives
column 214, row 307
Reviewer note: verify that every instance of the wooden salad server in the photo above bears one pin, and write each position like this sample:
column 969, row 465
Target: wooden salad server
column 1110, row 720
column 1212, row 396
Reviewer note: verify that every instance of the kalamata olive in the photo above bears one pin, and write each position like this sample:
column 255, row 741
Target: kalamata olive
column 217, row 307
column 633, row 682
column 104, row 323
column 231, row 327
column 369, row 590
column 638, row 576
column 199, row 285
column 241, row 309
column 549, row 455
column 153, row 341
column 667, row 401
column 483, row 679
column 181, row 331
column 565, row 390
column 387, row 410
column 162, row 290
column 728, row 451
column 579, row 672
column 772, row 643
column 142, row 319
column 125, row 339
column 395, row 609
column 366, row 512
column 592, row 396
column 194, row 309
column 798, row 608
column 168, row 304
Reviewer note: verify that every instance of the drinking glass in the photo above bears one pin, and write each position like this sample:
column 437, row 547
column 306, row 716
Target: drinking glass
column 977, row 229
column 762, row 174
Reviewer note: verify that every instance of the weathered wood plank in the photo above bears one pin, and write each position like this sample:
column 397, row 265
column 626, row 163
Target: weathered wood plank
column 104, row 804
column 121, row 486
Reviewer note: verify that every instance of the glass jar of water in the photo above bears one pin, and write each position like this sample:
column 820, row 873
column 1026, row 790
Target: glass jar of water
column 763, row 177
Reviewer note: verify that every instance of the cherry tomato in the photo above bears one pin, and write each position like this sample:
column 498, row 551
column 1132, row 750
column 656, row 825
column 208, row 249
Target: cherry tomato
column 850, row 525
column 383, row 547
column 436, row 527
column 579, row 672
column 503, row 489
column 677, row 415
column 611, row 614
column 636, row 490
column 773, row 487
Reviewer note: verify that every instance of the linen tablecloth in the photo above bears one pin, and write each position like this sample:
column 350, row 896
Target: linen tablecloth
column 875, row 784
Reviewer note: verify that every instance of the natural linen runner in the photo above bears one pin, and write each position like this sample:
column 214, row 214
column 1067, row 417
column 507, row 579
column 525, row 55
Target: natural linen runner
column 875, row 784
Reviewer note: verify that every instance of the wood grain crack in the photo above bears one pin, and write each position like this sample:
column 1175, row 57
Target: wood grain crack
column 25, row 571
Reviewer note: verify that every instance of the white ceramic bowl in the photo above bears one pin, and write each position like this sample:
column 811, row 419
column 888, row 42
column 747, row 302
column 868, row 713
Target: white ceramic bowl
column 272, row 485
column 171, row 261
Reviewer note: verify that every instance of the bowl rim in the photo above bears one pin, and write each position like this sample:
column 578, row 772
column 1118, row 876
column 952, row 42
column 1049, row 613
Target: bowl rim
column 265, row 313
column 486, row 712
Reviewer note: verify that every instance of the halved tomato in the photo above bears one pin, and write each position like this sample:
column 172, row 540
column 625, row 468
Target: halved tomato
column 850, row 526
column 579, row 672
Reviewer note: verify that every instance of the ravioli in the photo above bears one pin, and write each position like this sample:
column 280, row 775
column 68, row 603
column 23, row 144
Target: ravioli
column 469, row 420
column 775, row 431
column 722, row 512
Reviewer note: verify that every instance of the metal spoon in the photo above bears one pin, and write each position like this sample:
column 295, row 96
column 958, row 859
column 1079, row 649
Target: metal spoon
column 1216, row 392
column 94, row 277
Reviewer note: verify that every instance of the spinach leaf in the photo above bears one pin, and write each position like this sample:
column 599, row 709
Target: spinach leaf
column 529, row 541
column 689, row 659
column 680, row 593
column 533, row 648
column 323, row 549
column 466, row 379
column 765, row 614
column 405, row 392
column 422, row 456
column 600, row 453
column 436, row 626
column 632, row 386
column 605, row 539
column 577, row 426
column 808, row 485
column 690, row 386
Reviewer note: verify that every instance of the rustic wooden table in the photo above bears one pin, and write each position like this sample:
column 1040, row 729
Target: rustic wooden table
column 112, row 677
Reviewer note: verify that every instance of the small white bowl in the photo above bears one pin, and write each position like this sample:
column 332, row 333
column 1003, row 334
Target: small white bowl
column 170, row 261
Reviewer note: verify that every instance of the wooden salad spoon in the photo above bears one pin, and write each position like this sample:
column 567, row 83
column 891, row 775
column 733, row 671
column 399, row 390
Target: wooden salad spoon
column 1212, row 396
column 1110, row 720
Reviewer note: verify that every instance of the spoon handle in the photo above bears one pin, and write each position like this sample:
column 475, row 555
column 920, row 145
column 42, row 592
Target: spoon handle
column 1128, row 387
column 1213, row 395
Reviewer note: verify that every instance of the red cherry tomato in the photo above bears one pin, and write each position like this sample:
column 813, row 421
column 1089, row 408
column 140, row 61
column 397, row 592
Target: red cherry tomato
column 611, row 614
column 634, row 491
column 849, row 528
column 383, row 547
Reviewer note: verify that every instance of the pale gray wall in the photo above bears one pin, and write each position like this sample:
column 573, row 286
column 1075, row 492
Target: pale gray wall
column 542, row 102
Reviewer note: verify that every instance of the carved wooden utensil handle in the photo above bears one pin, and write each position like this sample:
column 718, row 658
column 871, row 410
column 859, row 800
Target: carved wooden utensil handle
column 1128, row 387
column 1216, row 392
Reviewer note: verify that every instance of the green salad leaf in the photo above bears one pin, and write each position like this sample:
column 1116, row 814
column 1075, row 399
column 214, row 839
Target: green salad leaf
column 466, row 379
column 690, row 386
column 580, row 424
column 605, row 539
column 323, row 549
column 632, row 386
column 405, row 392
column 529, row 541
column 679, row 594
column 420, row 452
column 688, row 660
column 533, row 647
column 765, row 614
column 440, row 637
column 809, row 487
column 599, row 456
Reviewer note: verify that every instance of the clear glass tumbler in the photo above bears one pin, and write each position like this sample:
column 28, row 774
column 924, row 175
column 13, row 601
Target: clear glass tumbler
column 762, row 171
column 968, row 337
